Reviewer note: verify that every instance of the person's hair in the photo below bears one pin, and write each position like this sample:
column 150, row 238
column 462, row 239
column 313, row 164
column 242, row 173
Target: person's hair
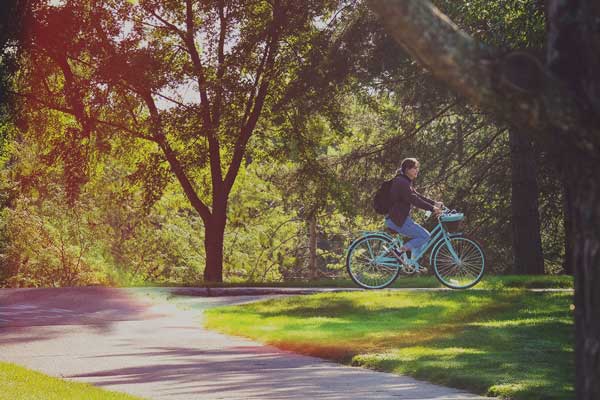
column 408, row 163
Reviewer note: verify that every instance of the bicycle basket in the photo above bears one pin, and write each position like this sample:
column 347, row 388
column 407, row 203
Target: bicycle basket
column 453, row 222
column 453, row 226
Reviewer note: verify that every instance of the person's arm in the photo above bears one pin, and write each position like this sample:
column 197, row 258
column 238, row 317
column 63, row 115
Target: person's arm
column 434, row 203
column 407, row 195
column 425, row 199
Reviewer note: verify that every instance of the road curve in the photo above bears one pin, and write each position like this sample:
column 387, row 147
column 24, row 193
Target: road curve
column 134, row 341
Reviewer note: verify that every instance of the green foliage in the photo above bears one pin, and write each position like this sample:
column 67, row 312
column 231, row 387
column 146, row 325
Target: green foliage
column 345, row 107
column 51, row 245
column 464, row 154
column 489, row 342
column 506, row 24
column 261, row 237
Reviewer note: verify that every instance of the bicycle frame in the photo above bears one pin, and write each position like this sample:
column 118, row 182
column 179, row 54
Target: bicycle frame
column 439, row 235
column 374, row 259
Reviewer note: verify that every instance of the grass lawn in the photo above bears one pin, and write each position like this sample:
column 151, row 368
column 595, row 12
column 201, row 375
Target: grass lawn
column 18, row 383
column 512, row 343
column 426, row 281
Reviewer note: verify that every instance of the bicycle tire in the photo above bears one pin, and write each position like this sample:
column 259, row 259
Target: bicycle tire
column 364, row 262
column 468, row 271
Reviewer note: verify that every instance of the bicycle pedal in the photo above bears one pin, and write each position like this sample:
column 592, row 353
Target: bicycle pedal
column 408, row 269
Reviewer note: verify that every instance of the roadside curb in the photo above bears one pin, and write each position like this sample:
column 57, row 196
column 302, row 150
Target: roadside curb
column 253, row 291
column 256, row 291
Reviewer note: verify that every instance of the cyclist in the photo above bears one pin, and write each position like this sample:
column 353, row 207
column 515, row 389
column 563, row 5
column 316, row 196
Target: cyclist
column 403, row 197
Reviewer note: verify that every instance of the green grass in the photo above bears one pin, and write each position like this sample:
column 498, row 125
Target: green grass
column 512, row 344
column 526, row 282
column 18, row 383
column 427, row 281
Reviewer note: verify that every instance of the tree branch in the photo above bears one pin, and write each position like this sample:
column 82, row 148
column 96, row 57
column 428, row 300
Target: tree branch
column 171, row 157
column 210, row 128
column 253, row 108
column 446, row 174
column 221, row 63
column 197, row 62
column 394, row 141
column 72, row 95
column 515, row 87
column 168, row 25
column 71, row 112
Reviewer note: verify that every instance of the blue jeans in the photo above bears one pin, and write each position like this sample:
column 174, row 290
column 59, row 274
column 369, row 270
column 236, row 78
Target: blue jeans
column 418, row 235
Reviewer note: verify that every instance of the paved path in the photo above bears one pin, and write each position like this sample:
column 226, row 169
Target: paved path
column 143, row 345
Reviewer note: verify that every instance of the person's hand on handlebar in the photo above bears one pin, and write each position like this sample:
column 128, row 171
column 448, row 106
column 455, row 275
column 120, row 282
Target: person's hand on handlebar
column 437, row 211
column 438, row 204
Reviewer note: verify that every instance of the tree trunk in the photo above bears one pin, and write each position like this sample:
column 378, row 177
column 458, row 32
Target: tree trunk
column 312, row 245
column 213, row 245
column 527, row 243
column 585, row 241
column 568, row 225
column 573, row 54
column 561, row 107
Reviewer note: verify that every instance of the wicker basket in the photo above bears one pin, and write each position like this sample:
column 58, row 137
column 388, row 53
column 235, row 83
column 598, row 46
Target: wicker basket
column 453, row 226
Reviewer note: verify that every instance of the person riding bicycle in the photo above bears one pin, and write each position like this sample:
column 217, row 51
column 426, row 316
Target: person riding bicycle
column 403, row 197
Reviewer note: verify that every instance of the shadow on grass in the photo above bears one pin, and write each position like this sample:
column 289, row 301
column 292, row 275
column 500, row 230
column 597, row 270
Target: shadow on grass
column 508, row 352
column 505, row 343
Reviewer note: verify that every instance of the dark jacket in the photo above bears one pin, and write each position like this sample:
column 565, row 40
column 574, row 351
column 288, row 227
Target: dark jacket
column 403, row 195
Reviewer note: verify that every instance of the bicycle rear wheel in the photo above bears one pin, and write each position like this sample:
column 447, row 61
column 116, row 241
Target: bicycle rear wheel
column 371, row 263
column 461, row 266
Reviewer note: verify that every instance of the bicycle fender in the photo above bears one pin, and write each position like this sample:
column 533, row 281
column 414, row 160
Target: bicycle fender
column 371, row 233
column 367, row 234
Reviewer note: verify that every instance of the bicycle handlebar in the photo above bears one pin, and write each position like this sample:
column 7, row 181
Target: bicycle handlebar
column 445, row 211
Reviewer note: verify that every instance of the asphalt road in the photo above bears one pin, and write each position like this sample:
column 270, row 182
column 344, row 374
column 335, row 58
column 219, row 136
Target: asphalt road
column 134, row 341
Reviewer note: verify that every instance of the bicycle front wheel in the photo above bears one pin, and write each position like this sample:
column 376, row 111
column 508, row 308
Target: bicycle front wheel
column 371, row 263
column 459, row 264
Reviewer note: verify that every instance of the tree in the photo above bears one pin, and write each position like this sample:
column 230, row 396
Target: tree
column 380, row 71
column 527, row 244
column 11, row 27
column 119, row 68
column 516, row 24
column 558, row 103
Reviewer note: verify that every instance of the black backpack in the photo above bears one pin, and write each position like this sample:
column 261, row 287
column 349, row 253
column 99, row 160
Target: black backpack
column 382, row 201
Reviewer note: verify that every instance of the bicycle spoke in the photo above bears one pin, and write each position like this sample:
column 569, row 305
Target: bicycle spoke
column 465, row 270
column 363, row 258
column 370, row 264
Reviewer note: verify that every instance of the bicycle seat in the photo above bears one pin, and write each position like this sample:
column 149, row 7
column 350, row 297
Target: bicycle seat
column 452, row 217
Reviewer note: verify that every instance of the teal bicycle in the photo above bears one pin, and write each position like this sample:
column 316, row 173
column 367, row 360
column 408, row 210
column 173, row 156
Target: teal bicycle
column 374, row 260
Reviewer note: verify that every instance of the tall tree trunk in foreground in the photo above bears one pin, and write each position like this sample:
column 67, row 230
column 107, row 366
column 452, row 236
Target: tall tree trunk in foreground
column 573, row 55
column 527, row 243
column 585, row 211
column 559, row 104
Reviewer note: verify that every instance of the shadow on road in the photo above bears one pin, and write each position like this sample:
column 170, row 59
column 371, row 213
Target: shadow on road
column 97, row 308
column 247, row 370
